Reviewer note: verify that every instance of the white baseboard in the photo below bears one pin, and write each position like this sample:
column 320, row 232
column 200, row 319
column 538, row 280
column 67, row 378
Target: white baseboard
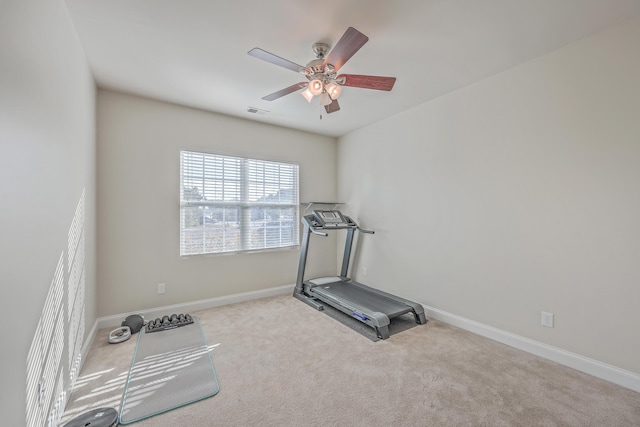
column 580, row 363
column 86, row 345
column 116, row 320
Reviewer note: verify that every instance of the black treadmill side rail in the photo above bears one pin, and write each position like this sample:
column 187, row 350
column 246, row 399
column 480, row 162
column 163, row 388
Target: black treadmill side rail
column 298, row 291
column 304, row 250
column 347, row 252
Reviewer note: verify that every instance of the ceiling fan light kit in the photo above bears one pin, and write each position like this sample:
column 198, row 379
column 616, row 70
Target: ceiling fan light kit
column 307, row 95
column 321, row 72
column 316, row 87
column 334, row 90
column 325, row 99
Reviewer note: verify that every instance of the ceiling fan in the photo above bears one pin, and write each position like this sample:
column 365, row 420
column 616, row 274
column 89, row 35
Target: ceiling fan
column 322, row 72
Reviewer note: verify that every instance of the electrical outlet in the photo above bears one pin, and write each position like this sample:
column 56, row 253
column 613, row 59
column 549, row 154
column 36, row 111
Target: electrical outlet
column 365, row 270
column 547, row 319
column 161, row 288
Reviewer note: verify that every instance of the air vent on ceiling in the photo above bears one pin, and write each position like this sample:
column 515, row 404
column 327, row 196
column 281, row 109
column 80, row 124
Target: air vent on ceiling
column 255, row 110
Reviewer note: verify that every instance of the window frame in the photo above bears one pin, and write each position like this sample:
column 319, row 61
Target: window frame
column 244, row 206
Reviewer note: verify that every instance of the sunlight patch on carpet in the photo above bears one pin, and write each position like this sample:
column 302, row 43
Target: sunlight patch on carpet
column 170, row 369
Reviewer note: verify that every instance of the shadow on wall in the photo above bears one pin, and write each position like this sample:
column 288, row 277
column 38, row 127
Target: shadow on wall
column 54, row 358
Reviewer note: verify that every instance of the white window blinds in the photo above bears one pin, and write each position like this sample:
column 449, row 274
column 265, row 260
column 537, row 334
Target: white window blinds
column 232, row 204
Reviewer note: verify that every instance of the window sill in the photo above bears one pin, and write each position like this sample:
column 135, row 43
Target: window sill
column 244, row 252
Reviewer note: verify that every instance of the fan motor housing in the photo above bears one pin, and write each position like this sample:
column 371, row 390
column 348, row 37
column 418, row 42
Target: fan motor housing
column 316, row 70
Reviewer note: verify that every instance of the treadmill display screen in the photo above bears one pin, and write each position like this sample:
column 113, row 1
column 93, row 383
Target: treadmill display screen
column 330, row 217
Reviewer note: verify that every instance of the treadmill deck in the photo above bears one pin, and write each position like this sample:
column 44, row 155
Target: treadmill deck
column 356, row 293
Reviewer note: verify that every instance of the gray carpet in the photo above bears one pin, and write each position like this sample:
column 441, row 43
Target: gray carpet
column 171, row 368
column 282, row 363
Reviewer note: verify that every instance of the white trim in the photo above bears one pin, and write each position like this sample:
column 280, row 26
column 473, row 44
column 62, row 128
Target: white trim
column 580, row 363
column 88, row 342
column 66, row 394
column 116, row 320
column 189, row 307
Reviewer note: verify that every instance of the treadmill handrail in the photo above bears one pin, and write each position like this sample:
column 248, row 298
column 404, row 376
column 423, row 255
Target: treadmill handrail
column 319, row 233
column 362, row 230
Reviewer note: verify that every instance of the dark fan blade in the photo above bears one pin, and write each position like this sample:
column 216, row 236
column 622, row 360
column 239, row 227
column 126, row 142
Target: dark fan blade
column 368, row 82
column 285, row 91
column 333, row 107
column 350, row 42
column 256, row 52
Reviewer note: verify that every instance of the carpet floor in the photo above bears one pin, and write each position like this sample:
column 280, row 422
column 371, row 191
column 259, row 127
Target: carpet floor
column 281, row 363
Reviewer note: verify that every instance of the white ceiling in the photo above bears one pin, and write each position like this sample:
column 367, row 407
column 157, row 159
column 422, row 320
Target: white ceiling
column 194, row 52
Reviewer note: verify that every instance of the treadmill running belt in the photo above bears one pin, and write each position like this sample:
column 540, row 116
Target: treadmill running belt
column 350, row 292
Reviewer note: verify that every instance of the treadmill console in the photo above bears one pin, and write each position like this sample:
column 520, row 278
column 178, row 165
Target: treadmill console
column 331, row 219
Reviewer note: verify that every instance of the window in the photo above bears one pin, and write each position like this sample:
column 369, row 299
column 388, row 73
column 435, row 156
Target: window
column 231, row 204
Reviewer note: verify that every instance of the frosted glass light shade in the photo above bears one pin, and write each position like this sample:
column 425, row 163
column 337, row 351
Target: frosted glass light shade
column 307, row 95
column 333, row 90
column 315, row 87
column 325, row 99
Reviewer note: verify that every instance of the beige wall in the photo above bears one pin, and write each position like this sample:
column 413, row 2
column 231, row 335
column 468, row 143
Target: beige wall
column 513, row 196
column 47, row 164
column 139, row 141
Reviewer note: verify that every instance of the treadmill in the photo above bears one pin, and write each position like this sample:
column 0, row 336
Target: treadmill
column 364, row 303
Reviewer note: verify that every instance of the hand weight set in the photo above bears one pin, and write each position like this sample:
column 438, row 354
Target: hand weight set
column 131, row 325
column 101, row 417
column 169, row 322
